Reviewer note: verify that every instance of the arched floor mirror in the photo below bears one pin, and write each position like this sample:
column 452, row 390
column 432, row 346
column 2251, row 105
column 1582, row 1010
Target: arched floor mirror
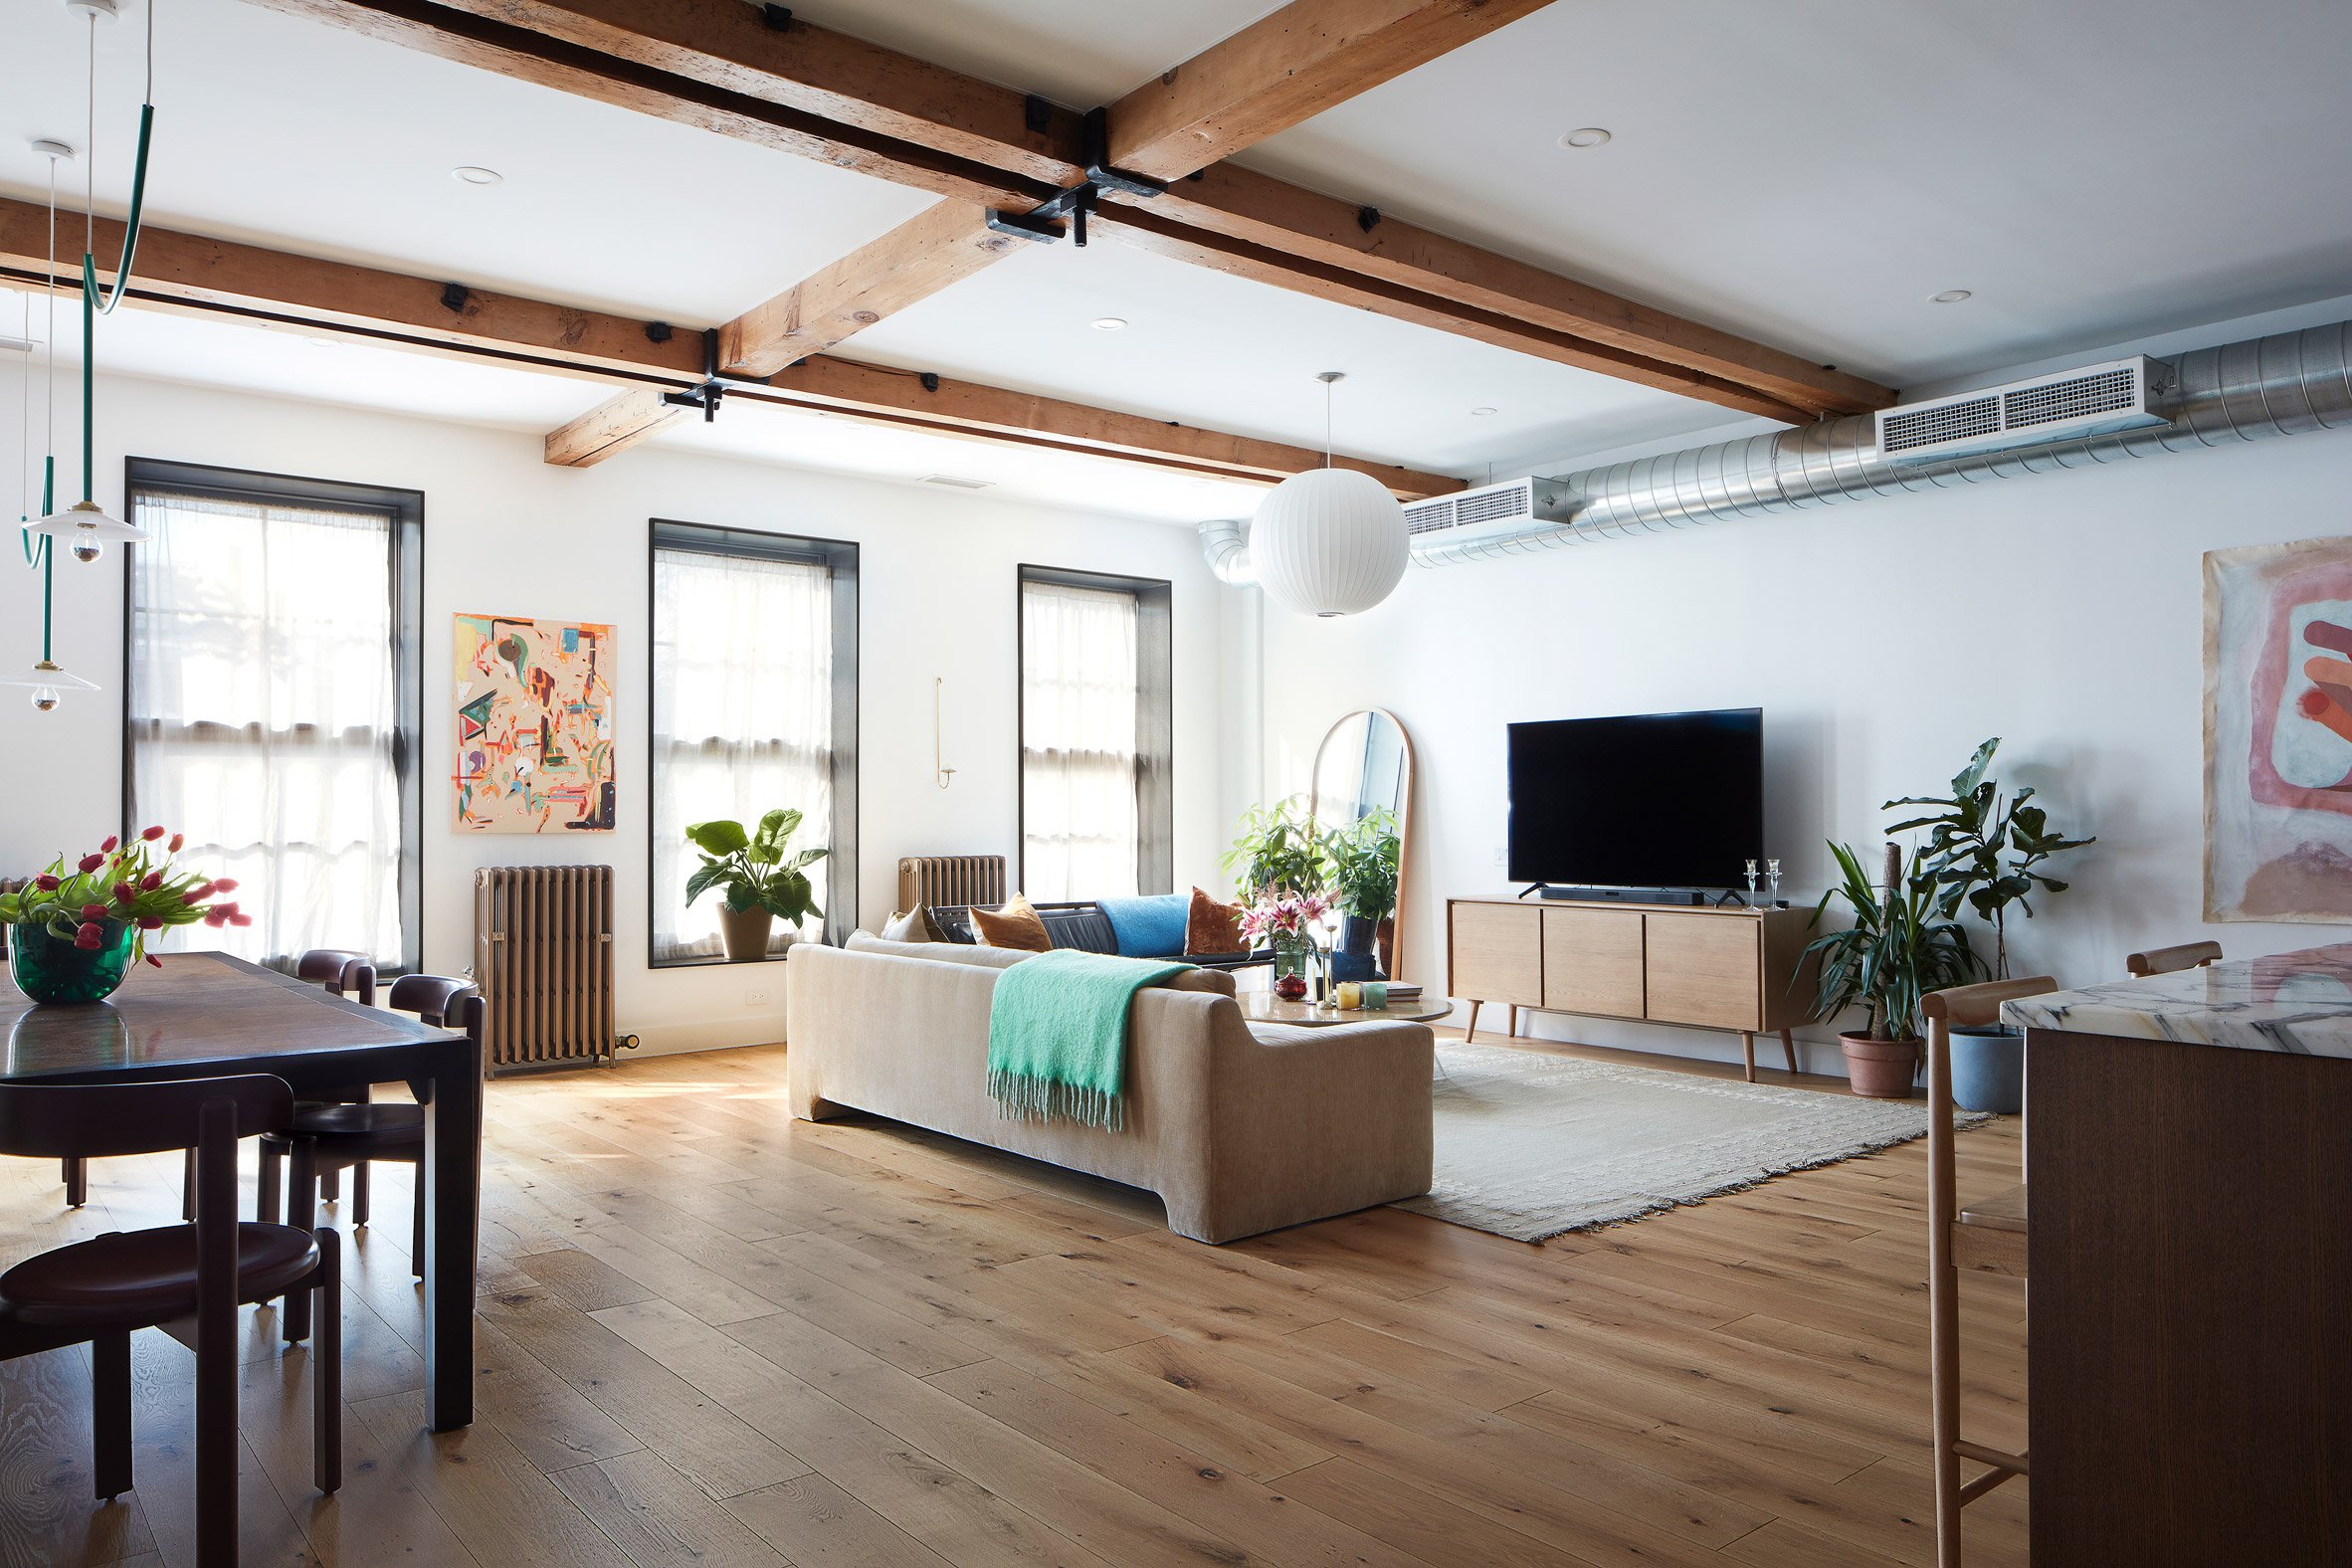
column 1365, row 766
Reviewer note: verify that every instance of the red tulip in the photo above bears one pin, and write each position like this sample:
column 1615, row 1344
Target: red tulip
column 90, row 863
column 218, row 914
column 240, row 920
column 125, row 892
column 177, row 840
column 150, row 922
column 89, row 937
column 94, row 911
column 197, row 895
column 225, row 884
column 151, row 834
column 157, row 962
column 107, row 847
column 45, row 883
column 152, row 882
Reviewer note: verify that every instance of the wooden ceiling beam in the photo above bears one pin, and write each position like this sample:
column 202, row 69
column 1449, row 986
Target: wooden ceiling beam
column 941, row 245
column 197, row 275
column 822, row 95
column 1283, row 68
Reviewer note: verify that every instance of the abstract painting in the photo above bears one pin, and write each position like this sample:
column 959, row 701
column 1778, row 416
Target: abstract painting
column 2278, row 732
column 535, row 701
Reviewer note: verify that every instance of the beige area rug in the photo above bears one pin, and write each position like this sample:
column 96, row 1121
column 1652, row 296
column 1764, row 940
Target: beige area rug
column 1531, row 1145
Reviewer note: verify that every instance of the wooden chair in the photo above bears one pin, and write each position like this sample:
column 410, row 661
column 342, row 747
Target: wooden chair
column 322, row 1139
column 2168, row 960
column 102, row 1289
column 1989, row 1236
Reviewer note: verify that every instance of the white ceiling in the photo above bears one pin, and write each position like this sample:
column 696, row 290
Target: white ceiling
column 1805, row 173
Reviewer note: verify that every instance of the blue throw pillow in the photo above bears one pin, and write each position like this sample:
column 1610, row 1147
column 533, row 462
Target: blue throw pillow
column 1147, row 927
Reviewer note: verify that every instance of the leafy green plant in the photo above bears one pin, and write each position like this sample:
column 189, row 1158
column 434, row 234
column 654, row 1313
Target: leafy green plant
column 1984, row 851
column 1902, row 946
column 753, row 867
column 1279, row 849
column 1363, row 861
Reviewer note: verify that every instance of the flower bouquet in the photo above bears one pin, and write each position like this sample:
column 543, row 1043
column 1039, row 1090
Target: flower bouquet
column 79, row 930
column 1292, row 924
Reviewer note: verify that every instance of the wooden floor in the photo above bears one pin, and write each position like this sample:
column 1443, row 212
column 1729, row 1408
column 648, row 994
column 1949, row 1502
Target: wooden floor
column 712, row 1336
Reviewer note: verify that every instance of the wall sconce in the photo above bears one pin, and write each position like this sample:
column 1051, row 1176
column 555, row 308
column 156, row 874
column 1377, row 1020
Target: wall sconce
column 941, row 774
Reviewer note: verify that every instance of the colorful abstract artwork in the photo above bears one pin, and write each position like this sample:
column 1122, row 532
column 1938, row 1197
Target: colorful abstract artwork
column 2278, row 732
column 535, row 701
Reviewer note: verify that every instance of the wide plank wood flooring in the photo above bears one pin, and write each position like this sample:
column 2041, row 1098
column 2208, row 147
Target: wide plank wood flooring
column 713, row 1335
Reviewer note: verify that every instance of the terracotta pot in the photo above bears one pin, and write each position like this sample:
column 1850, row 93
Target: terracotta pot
column 744, row 932
column 1881, row 1069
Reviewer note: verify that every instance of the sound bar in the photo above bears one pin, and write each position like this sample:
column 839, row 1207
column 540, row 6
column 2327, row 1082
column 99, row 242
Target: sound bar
column 1666, row 896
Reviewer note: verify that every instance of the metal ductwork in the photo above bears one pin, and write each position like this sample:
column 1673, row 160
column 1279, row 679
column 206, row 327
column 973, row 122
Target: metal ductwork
column 2282, row 385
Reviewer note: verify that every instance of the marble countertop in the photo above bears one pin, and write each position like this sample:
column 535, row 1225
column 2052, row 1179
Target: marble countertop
column 2299, row 1003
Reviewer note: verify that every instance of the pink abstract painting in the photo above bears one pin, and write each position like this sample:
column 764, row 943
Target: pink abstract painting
column 534, row 711
column 2278, row 732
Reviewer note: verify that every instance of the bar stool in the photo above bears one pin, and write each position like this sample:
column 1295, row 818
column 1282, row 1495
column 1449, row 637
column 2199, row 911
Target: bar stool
column 98, row 1292
column 2171, row 960
column 1989, row 1235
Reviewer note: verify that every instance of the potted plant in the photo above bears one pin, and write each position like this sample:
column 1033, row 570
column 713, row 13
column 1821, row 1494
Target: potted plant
column 1986, row 852
column 1899, row 949
column 759, row 882
column 1278, row 848
column 77, row 932
column 1363, row 862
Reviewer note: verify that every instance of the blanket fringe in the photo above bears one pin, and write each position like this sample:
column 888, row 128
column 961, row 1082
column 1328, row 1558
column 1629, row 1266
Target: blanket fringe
column 1022, row 1098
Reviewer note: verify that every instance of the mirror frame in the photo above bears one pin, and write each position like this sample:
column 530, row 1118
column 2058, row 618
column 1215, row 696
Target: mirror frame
column 1404, row 814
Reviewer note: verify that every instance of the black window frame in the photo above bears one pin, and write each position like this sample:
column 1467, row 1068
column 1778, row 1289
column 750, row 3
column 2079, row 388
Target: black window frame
column 1156, row 717
column 407, row 507
column 840, row 557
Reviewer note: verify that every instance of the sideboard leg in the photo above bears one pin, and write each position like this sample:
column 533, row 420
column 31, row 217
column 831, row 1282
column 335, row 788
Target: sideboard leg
column 1469, row 1031
column 1788, row 1045
column 1514, row 1030
column 1747, row 1048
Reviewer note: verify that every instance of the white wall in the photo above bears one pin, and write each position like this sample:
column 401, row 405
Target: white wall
column 1882, row 639
column 506, row 532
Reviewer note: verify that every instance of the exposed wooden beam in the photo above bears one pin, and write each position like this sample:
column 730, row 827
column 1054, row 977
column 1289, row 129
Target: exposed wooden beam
column 611, row 427
column 889, row 117
column 194, row 274
column 942, row 245
column 1286, row 68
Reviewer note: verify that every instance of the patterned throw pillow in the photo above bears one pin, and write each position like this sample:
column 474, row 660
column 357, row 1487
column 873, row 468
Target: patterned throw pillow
column 912, row 927
column 1015, row 925
column 1212, row 927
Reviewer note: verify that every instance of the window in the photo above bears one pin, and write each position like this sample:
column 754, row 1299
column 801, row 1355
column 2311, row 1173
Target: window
column 755, row 707
column 270, row 704
column 1096, row 815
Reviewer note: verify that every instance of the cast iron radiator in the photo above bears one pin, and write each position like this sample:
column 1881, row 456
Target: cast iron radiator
column 943, row 882
column 543, row 960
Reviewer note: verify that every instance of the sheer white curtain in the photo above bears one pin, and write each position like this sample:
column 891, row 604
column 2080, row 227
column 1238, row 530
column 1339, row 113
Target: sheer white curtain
column 742, row 720
column 263, row 706
column 1078, row 699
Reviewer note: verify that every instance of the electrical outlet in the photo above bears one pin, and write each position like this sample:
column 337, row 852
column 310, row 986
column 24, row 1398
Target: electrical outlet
column 1500, row 858
column 756, row 996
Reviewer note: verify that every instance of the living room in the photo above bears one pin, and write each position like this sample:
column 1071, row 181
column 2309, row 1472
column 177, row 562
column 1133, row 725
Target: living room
column 1349, row 814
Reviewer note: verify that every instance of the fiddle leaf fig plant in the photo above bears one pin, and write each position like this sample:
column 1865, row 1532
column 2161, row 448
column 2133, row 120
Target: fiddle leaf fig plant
column 1984, row 851
column 754, row 868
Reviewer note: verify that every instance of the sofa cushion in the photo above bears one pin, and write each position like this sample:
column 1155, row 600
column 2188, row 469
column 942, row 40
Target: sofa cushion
column 1150, row 927
column 1210, row 926
column 1084, row 930
column 939, row 952
column 912, row 927
column 1014, row 925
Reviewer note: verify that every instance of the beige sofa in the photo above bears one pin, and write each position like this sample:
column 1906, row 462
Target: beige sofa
column 1238, row 1132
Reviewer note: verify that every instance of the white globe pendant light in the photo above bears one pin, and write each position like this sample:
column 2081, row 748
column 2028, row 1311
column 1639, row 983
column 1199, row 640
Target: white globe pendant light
column 1329, row 541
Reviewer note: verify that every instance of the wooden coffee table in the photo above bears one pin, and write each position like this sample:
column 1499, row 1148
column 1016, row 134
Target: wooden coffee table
column 1263, row 1007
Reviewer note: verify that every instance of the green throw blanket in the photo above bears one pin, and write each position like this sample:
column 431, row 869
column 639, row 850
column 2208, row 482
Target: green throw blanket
column 1057, row 1035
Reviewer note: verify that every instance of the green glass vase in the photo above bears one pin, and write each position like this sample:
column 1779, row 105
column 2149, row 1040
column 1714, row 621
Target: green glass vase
column 52, row 970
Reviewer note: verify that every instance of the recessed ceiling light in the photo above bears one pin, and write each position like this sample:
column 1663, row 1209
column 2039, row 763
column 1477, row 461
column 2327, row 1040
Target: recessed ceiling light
column 1587, row 136
column 475, row 174
column 1109, row 323
column 1482, row 412
column 1949, row 296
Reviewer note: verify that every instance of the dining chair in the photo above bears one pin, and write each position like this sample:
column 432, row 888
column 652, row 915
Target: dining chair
column 98, row 1292
column 2169, row 960
column 1988, row 1236
column 322, row 1139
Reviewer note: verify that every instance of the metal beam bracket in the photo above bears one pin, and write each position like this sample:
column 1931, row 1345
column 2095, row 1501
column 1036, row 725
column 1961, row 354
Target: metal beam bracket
column 1043, row 222
column 716, row 383
column 453, row 296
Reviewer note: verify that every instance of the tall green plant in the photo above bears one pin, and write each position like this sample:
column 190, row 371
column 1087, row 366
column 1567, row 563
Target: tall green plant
column 1364, row 862
column 1279, row 849
column 1900, row 946
column 753, row 867
column 1984, row 851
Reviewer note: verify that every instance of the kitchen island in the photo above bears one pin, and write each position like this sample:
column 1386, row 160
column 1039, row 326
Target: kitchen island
column 2189, row 1158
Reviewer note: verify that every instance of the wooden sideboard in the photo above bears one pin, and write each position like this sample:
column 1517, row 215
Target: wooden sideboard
column 1734, row 969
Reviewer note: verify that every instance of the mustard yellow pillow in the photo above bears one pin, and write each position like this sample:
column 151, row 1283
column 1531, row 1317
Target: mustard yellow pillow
column 1212, row 927
column 1016, row 926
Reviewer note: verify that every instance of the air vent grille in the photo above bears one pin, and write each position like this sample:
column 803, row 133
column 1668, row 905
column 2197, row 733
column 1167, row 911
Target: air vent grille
column 1487, row 505
column 2103, row 393
column 1939, row 422
column 1428, row 516
column 1514, row 506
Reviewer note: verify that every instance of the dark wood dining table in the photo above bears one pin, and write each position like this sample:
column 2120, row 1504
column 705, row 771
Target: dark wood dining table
column 207, row 1015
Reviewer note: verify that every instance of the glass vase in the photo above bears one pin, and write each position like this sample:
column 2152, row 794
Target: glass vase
column 1298, row 971
column 52, row 970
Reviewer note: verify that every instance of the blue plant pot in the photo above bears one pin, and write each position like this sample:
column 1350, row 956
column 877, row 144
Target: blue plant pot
column 1989, row 1069
column 1351, row 966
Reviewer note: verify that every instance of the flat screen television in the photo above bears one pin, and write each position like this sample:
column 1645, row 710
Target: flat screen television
column 1645, row 799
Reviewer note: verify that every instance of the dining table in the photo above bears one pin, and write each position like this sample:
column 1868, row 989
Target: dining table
column 209, row 1015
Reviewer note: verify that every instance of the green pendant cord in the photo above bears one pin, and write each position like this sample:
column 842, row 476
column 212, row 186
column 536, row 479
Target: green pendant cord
column 97, row 301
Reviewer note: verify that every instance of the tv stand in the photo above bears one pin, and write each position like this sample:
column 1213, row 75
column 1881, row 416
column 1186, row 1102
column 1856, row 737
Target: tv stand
column 1736, row 968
